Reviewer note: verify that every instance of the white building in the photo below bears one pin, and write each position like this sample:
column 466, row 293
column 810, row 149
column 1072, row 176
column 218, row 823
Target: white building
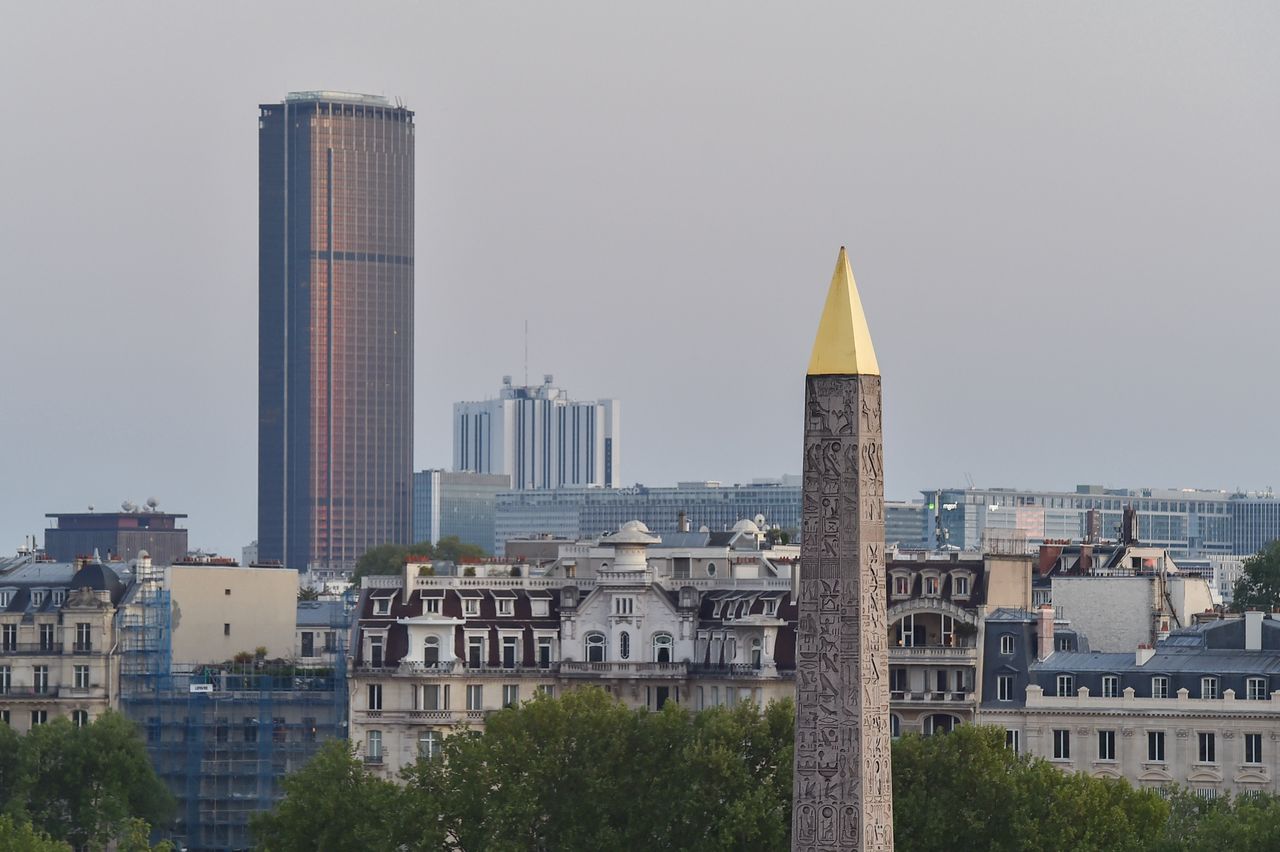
column 539, row 437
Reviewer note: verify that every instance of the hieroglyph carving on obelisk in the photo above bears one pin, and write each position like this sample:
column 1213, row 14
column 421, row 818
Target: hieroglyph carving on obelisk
column 843, row 795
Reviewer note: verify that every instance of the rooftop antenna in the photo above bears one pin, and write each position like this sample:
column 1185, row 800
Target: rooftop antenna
column 526, row 353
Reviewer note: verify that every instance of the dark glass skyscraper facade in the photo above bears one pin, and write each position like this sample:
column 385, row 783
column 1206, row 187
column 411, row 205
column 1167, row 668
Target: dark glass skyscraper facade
column 335, row 328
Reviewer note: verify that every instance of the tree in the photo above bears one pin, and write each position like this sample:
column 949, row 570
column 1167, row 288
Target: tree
column 1245, row 823
column 1259, row 585
column 22, row 837
column 390, row 558
column 331, row 804
column 85, row 785
column 307, row 593
column 452, row 549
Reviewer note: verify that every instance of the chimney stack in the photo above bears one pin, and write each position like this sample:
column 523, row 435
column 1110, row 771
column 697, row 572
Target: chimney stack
column 1145, row 653
column 1044, row 631
column 682, row 522
column 1253, row 630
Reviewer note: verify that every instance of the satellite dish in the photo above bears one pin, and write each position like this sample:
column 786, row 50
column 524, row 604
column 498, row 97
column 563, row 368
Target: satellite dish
column 90, row 507
column 152, row 503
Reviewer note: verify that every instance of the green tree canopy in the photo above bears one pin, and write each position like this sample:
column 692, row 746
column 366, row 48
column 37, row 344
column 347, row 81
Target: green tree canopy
column 22, row 837
column 390, row 558
column 88, row 786
column 1259, row 585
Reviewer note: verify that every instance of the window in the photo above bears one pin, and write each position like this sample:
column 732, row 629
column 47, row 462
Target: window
column 59, row 597
column 39, row 717
column 624, row 645
column 9, row 637
column 1066, row 685
column 1061, row 744
column 84, row 637
column 1208, row 687
column 375, row 651
column 1208, row 752
column 1160, row 687
column 475, row 697
column 1155, row 746
column 431, row 606
column 757, row 653
column 623, row 605
column 475, row 651
column 1256, row 689
column 46, row 637
column 509, row 656
column 37, row 598
column 544, row 652
column 539, row 607
column 1006, row 644
column 471, row 607
column 1004, row 687
column 226, row 592
column 1106, row 745
column 431, row 650
column 1013, row 740
column 81, row 677
column 429, row 745
column 662, row 643
column 506, row 606
column 435, row 696
column 381, row 606
column 1110, row 686
column 250, row 729
column 510, row 694
column 6, row 679
column 6, row 597
column 1064, row 644
column 373, row 751
column 279, row 733
column 960, row 587
column 931, row 586
column 895, row 726
column 595, row 648
column 308, row 643
column 901, row 586
column 80, row 718
column 40, row 678
column 375, row 696
column 711, row 569
column 226, row 629
column 1253, row 748
column 330, row 641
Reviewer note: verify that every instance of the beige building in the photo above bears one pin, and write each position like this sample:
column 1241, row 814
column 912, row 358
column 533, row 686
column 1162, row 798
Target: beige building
column 702, row 619
column 219, row 611
column 57, row 641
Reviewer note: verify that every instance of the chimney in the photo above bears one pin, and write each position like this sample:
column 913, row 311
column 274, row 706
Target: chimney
column 1145, row 653
column 1044, row 631
column 1253, row 630
column 682, row 522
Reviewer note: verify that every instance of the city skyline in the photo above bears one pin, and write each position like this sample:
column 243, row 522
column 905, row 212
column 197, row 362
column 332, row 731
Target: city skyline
column 1067, row 210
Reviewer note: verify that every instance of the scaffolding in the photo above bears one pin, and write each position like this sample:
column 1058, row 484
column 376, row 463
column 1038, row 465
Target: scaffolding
column 222, row 737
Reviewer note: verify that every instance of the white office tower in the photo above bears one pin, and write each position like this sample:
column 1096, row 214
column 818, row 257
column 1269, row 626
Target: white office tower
column 539, row 437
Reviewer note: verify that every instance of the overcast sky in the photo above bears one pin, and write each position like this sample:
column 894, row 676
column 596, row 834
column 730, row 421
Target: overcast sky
column 1062, row 218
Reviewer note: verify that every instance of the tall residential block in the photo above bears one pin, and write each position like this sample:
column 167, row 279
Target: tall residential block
column 335, row 333
column 539, row 437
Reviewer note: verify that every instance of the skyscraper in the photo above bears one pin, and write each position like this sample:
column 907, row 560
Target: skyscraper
column 539, row 437
column 335, row 327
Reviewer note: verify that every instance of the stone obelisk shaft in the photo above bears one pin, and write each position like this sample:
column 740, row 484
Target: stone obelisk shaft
column 843, row 796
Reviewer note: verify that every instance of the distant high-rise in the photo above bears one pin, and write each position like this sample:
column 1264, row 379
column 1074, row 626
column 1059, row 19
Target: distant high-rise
column 335, row 333
column 539, row 437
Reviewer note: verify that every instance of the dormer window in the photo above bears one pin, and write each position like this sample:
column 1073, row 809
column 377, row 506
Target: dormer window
column 37, row 597
column 901, row 586
column 540, row 607
column 6, row 597
column 59, row 597
column 431, row 606
column 931, row 586
column 960, row 587
column 471, row 607
column 382, row 606
column 506, row 606
column 771, row 606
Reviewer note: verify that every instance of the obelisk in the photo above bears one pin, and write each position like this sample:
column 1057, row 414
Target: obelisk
column 843, row 796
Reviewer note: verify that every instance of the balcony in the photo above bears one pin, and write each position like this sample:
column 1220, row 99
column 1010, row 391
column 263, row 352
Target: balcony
column 944, row 654
column 82, row 648
column 30, row 648
column 925, row 698
column 373, row 759
column 628, row 670
column 28, row 692
column 730, row 670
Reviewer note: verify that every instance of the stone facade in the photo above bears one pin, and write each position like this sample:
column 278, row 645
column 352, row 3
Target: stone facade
column 843, row 792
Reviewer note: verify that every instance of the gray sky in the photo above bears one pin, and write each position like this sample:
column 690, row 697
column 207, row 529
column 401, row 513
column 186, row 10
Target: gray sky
column 1062, row 218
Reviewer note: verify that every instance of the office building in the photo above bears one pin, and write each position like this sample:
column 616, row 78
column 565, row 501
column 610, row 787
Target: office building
column 335, row 273
column 456, row 504
column 575, row 513
column 539, row 437
column 119, row 536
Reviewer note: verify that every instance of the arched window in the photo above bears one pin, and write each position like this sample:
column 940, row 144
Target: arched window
column 711, row 569
column 662, row 647
column 595, row 648
column 757, row 653
column 940, row 723
column 624, row 645
column 431, row 650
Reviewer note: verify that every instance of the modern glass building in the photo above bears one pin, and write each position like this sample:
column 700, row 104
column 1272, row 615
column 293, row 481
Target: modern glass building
column 335, row 360
column 458, row 504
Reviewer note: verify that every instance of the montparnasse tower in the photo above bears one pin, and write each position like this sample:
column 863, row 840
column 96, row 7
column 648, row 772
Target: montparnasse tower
column 843, row 794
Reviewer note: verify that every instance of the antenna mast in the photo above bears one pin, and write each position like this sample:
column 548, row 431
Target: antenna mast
column 526, row 353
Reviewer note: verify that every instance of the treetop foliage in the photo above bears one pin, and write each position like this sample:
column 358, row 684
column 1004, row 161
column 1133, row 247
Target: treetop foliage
column 390, row 558
column 1259, row 585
